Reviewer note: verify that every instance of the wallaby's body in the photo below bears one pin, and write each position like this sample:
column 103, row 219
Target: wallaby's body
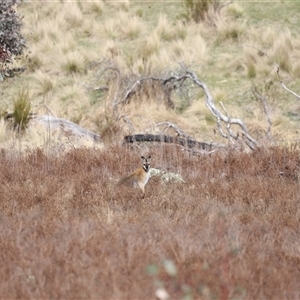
column 140, row 177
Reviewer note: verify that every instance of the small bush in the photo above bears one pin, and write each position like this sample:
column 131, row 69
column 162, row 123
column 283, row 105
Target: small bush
column 72, row 63
column 97, row 7
column 150, row 46
column 281, row 52
column 45, row 83
column 12, row 42
column 74, row 15
column 164, row 29
column 21, row 111
column 199, row 9
column 230, row 31
column 132, row 27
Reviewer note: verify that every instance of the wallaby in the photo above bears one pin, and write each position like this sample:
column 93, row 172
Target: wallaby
column 140, row 177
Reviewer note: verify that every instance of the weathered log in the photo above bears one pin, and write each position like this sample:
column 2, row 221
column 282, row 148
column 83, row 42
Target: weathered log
column 162, row 138
column 66, row 126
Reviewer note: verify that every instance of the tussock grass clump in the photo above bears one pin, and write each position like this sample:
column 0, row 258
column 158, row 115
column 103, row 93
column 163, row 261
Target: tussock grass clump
column 229, row 31
column 199, row 49
column 73, row 62
column 281, row 52
column 96, row 7
column 164, row 28
column 198, row 10
column 74, row 16
column 179, row 48
column 130, row 26
column 21, row 110
column 111, row 29
column 44, row 83
column 235, row 10
column 150, row 46
column 180, row 31
column 78, row 236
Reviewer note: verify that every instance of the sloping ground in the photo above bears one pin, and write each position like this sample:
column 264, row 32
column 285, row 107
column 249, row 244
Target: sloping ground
column 231, row 231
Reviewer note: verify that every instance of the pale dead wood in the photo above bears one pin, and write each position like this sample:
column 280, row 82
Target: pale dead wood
column 176, row 80
column 167, row 85
column 283, row 85
column 133, row 89
column 230, row 134
column 66, row 126
column 210, row 103
column 168, row 125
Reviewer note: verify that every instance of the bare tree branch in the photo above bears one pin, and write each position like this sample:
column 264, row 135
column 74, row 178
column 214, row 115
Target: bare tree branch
column 250, row 141
column 169, row 84
column 128, row 122
column 171, row 125
column 231, row 135
column 282, row 84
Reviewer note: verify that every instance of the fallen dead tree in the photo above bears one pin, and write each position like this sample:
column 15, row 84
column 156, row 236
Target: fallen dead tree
column 122, row 89
column 162, row 138
column 68, row 127
column 241, row 134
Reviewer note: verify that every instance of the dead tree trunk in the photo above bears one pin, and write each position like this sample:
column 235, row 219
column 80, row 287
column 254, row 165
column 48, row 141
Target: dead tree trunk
column 162, row 138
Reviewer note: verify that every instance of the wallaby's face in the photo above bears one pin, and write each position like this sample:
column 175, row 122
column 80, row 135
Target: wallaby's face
column 146, row 163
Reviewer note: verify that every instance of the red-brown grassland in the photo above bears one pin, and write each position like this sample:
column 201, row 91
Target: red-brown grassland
column 230, row 232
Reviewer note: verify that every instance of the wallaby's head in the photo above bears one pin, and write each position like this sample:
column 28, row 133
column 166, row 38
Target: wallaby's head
column 146, row 163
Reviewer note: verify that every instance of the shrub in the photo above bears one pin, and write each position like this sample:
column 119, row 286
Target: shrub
column 44, row 82
column 21, row 111
column 73, row 62
column 199, row 9
column 12, row 42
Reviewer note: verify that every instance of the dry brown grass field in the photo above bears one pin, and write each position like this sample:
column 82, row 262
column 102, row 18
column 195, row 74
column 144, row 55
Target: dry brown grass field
column 231, row 231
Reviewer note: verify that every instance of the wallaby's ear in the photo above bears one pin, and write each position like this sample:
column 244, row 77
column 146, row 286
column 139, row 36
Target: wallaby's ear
column 149, row 157
column 142, row 157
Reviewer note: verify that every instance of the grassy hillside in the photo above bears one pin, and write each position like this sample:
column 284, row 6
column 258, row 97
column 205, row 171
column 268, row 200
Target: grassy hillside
column 231, row 231
column 68, row 41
